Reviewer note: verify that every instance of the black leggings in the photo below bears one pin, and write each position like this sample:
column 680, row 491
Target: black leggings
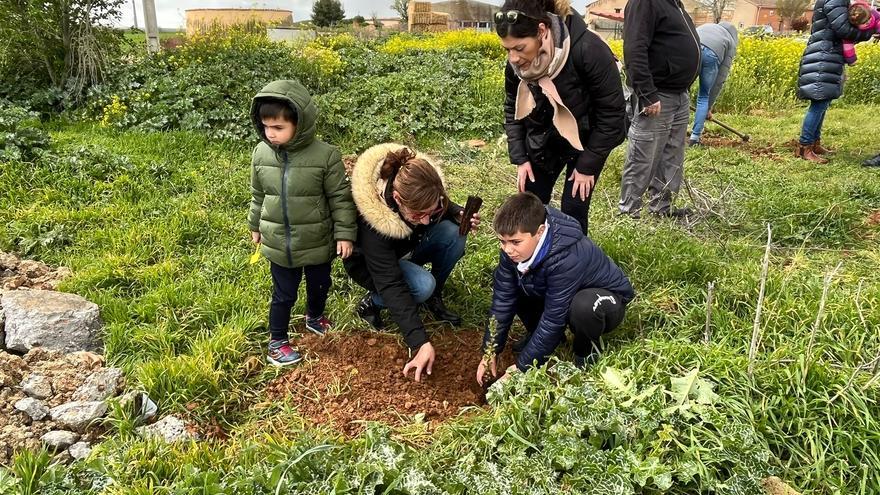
column 545, row 179
column 593, row 312
column 285, row 284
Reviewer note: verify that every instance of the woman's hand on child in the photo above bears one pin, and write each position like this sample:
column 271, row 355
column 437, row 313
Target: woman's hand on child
column 423, row 361
column 255, row 236
column 475, row 220
column 481, row 370
column 344, row 248
column 583, row 184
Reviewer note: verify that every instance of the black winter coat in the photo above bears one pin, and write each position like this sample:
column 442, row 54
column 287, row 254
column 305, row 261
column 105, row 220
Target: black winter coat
column 384, row 237
column 820, row 76
column 590, row 87
column 572, row 263
column 661, row 48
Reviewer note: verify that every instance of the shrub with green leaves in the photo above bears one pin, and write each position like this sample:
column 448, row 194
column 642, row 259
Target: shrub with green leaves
column 208, row 83
column 22, row 137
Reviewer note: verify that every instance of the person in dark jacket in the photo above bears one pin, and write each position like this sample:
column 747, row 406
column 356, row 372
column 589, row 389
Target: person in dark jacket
column 301, row 210
column 405, row 220
column 820, row 77
column 661, row 53
column 564, row 108
column 551, row 275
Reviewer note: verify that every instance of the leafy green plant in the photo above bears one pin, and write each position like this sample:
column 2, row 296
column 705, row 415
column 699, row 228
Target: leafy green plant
column 31, row 468
column 22, row 138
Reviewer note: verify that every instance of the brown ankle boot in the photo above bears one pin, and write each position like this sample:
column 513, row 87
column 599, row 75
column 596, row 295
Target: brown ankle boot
column 806, row 152
column 821, row 150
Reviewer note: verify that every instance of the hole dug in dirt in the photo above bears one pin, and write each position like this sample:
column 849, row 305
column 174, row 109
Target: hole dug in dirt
column 348, row 379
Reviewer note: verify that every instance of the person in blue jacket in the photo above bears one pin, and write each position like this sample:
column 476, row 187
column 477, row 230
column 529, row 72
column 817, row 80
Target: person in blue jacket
column 552, row 276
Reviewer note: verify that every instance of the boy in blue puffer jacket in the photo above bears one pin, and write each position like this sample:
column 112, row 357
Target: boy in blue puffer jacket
column 552, row 276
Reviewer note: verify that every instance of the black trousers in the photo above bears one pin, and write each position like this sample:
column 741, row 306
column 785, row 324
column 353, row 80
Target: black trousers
column 285, row 284
column 545, row 179
column 593, row 312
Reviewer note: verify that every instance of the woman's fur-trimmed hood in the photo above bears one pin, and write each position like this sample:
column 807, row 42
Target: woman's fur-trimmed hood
column 368, row 191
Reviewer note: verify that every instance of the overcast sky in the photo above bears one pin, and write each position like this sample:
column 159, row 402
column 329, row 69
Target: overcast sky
column 170, row 13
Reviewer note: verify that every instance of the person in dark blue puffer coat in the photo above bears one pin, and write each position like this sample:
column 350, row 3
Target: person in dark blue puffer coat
column 551, row 275
column 820, row 78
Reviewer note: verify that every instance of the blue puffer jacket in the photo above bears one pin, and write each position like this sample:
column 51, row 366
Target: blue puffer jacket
column 571, row 263
column 821, row 72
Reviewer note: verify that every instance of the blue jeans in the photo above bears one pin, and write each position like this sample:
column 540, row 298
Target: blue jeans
column 708, row 74
column 812, row 128
column 442, row 247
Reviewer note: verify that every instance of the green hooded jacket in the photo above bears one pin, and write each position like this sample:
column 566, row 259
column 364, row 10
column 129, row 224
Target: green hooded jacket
column 301, row 202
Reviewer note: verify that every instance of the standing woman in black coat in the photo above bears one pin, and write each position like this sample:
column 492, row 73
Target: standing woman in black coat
column 820, row 78
column 564, row 108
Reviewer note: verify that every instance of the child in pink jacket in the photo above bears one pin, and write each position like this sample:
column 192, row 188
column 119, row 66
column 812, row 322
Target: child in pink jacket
column 864, row 17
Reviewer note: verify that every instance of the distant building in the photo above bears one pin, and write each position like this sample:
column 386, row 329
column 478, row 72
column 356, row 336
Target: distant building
column 762, row 13
column 605, row 17
column 200, row 20
column 467, row 14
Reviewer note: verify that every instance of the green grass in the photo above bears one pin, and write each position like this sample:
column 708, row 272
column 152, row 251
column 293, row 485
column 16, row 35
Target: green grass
column 153, row 228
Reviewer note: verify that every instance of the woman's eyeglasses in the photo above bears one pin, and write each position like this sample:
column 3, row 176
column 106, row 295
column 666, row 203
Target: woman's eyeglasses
column 503, row 19
column 417, row 216
column 509, row 17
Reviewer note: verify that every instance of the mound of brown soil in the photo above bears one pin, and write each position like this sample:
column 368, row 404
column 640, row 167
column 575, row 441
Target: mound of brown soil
column 753, row 149
column 351, row 378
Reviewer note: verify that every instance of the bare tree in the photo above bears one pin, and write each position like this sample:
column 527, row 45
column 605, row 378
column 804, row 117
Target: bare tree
column 400, row 6
column 716, row 8
column 789, row 10
column 66, row 44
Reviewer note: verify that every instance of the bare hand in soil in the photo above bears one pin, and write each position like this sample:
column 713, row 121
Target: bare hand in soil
column 424, row 360
column 344, row 248
column 507, row 374
column 481, row 371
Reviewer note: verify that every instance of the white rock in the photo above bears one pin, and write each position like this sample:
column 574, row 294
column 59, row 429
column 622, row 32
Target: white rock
column 170, row 428
column 37, row 386
column 80, row 450
column 140, row 404
column 100, row 385
column 78, row 415
column 49, row 319
column 59, row 439
column 33, row 408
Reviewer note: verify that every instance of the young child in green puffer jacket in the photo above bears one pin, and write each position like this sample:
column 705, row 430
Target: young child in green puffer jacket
column 302, row 213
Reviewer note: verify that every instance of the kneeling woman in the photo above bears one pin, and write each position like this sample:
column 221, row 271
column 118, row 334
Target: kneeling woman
column 405, row 220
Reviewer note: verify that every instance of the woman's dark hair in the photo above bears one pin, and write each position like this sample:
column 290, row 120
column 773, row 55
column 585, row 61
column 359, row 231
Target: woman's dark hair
column 526, row 26
column 273, row 108
column 415, row 180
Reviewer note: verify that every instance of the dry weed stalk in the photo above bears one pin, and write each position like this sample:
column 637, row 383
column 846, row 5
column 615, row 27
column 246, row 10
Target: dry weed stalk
column 756, row 329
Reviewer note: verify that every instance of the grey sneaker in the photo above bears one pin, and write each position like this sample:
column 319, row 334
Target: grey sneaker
column 282, row 354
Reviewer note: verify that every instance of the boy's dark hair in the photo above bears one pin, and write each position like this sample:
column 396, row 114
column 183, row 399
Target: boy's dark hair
column 522, row 212
column 273, row 108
